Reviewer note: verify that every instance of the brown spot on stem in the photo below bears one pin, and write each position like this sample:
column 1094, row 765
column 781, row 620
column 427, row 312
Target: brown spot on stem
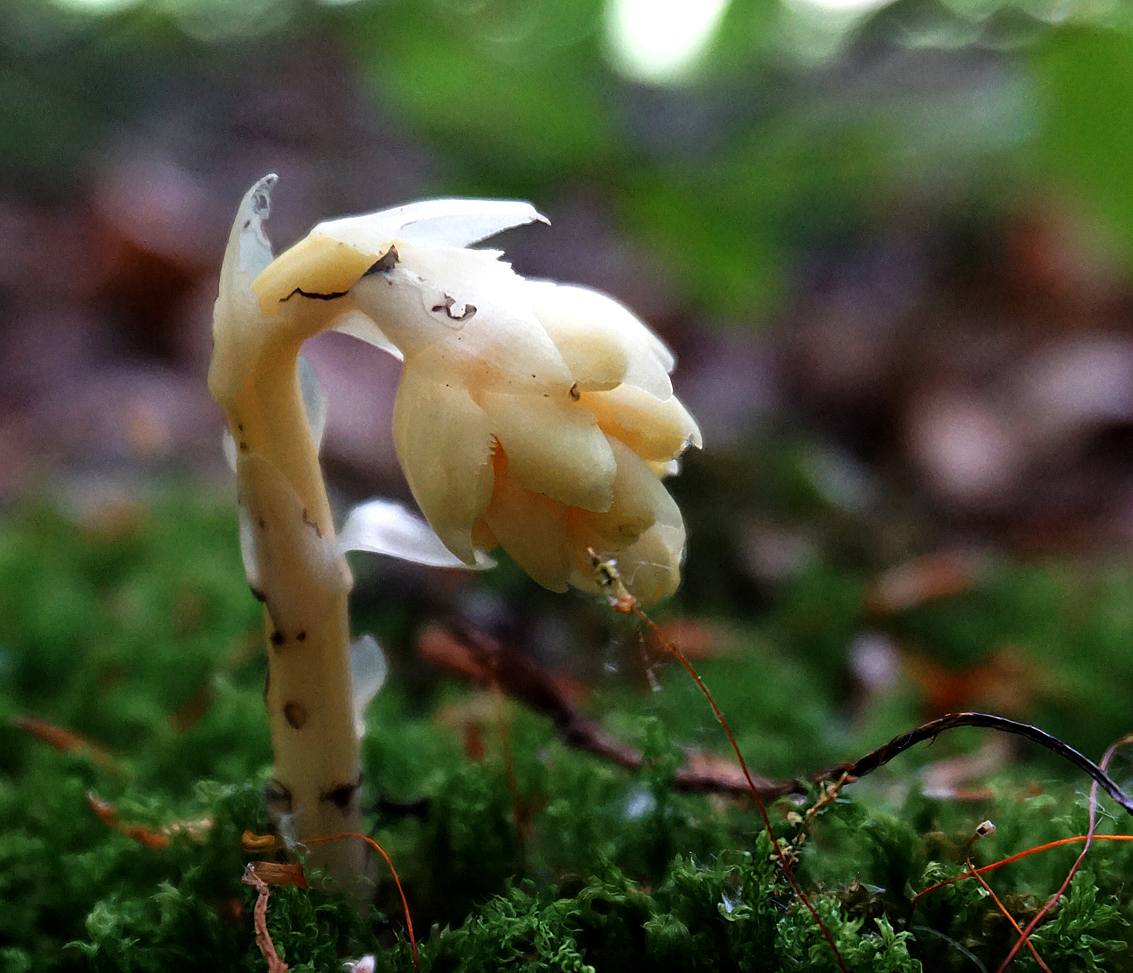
column 342, row 795
column 277, row 638
column 295, row 714
column 574, row 392
column 301, row 637
column 258, row 594
column 312, row 524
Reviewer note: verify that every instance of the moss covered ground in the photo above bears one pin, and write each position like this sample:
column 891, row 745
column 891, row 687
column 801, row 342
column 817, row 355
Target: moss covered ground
column 135, row 629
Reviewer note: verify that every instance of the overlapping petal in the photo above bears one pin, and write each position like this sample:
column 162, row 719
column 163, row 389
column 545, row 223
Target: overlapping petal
column 584, row 319
column 432, row 223
column 640, row 501
column 554, row 447
column 444, row 442
column 532, row 528
column 643, row 531
column 337, row 253
column 651, row 566
column 655, row 429
column 469, row 308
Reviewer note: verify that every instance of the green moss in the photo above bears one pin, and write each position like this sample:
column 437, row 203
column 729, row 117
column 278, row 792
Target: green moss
column 535, row 857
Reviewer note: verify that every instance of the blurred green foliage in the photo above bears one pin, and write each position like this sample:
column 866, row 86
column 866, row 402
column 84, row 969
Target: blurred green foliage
column 724, row 178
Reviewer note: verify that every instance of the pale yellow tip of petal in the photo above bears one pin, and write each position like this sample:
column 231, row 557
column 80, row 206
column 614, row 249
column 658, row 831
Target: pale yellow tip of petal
column 651, row 568
column 656, row 429
column 316, row 265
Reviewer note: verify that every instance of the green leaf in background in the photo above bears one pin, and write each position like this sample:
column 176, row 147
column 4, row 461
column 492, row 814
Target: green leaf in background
column 513, row 90
column 1084, row 78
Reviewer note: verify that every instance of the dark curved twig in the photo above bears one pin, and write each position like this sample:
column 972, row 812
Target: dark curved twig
column 929, row 731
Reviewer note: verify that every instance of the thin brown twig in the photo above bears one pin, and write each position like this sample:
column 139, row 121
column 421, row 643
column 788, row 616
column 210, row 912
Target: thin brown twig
column 263, row 937
column 931, row 730
column 481, row 659
column 476, row 657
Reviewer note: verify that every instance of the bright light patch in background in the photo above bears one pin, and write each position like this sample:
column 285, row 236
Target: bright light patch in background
column 95, row 6
column 661, row 41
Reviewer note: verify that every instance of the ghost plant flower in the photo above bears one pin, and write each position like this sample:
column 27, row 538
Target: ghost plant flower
column 531, row 416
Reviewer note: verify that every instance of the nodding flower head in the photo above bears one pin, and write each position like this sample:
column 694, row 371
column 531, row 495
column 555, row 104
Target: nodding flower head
column 533, row 416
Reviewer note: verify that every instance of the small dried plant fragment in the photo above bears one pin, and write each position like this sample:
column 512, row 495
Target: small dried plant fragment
column 531, row 416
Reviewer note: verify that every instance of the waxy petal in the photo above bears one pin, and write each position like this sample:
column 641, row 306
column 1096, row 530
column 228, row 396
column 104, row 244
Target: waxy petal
column 656, row 429
column 368, row 671
column 333, row 257
column 358, row 325
column 640, row 501
column 651, row 566
column 237, row 329
column 595, row 354
column 488, row 332
column 531, row 528
column 444, row 442
column 432, row 223
column 574, row 315
column 554, row 447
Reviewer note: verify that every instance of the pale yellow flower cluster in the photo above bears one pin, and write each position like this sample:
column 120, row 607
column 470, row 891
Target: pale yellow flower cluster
column 532, row 416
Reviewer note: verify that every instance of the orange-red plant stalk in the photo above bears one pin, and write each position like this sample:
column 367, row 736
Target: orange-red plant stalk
column 393, row 871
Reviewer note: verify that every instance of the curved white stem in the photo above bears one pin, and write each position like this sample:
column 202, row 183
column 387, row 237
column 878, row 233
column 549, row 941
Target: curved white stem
column 297, row 568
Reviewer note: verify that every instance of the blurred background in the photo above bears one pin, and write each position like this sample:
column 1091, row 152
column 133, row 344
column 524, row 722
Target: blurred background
column 890, row 242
